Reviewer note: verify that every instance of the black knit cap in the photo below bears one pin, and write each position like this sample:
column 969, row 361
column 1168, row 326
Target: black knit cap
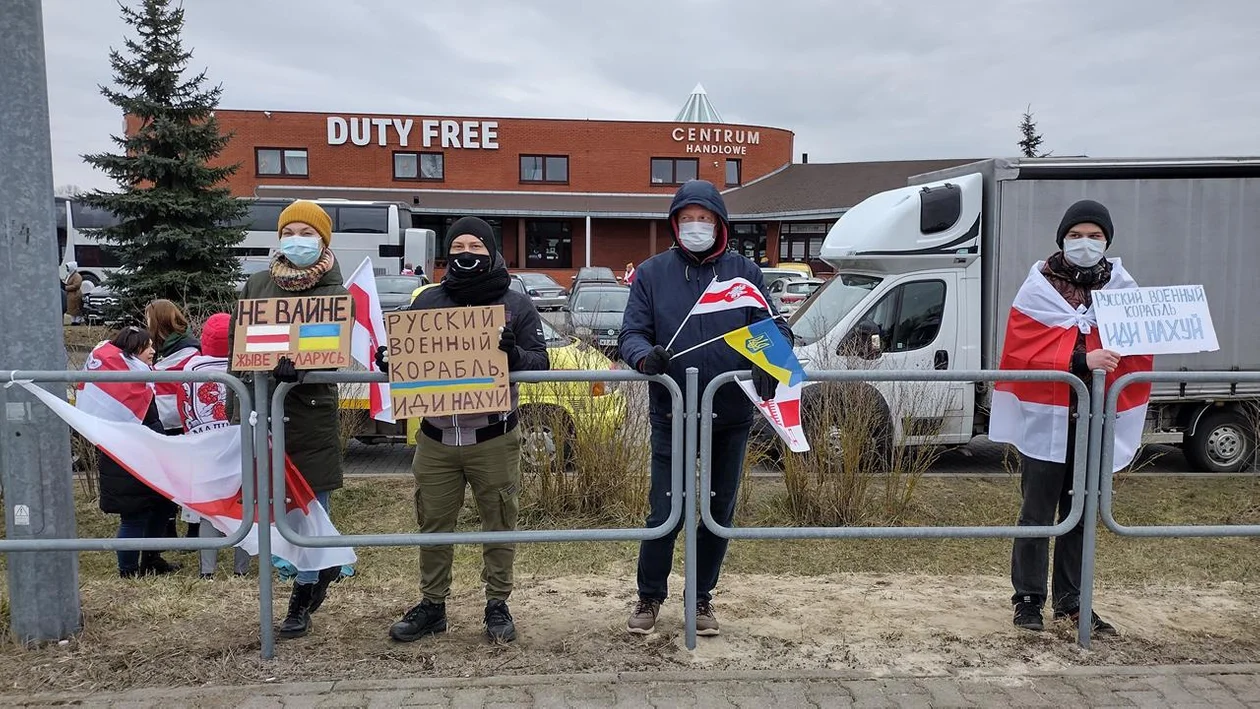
column 471, row 225
column 1086, row 211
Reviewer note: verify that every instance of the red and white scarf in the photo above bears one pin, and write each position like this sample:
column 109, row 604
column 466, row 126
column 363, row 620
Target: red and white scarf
column 127, row 402
column 168, row 392
column 1041, row 334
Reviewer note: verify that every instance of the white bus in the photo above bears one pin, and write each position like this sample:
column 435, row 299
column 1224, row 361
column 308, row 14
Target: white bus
column 380, row 231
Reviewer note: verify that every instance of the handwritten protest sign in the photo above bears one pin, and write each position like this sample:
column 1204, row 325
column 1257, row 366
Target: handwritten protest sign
column 313, row 331
column 447, row 361
column 1155, row 321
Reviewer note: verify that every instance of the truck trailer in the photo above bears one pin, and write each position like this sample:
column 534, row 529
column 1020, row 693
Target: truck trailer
column 925, row 276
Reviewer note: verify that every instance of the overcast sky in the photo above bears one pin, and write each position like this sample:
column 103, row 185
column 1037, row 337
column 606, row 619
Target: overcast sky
column 856, row 80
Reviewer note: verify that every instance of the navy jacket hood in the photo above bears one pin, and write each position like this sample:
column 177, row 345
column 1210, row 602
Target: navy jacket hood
column 704, row 194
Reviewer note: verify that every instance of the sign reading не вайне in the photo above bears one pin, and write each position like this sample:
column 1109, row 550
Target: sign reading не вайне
column 447, row 361
column 313, row 331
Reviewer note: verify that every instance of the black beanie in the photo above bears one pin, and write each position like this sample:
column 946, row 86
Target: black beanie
column 1086, row 210
column 471, row 225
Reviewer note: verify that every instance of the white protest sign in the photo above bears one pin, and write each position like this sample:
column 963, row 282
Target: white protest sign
column 1155, row 320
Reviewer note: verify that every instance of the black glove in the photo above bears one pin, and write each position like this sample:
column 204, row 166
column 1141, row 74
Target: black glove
column 507, row 343
column 656, row 361
column 764, row 383
column 382, row 359
column 285, row 371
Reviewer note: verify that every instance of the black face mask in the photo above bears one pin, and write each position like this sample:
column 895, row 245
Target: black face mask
column 470, row 264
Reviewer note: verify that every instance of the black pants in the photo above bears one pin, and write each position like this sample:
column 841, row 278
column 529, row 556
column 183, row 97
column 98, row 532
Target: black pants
column 1047, row 488
column 656, row 556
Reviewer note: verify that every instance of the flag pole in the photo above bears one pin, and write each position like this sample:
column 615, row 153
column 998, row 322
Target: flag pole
column 715, row 339
column 681, row 326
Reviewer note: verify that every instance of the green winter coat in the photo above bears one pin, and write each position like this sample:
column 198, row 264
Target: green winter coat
column 312, row 435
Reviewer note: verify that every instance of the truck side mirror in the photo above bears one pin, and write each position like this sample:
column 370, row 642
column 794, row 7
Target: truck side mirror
column 863, row 341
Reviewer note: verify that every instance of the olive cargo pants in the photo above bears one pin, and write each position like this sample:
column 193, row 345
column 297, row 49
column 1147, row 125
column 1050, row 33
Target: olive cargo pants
column 493, row 470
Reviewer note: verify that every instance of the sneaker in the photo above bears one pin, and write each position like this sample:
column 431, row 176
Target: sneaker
column 1028, row 614
column 499, row 625
column 207, row 577
column 1098, row 625
column 643, row 617
column 428, row 618
column 706, row 621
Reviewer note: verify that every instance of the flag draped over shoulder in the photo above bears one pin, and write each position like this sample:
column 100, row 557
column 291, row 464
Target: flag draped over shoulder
column 168, row 392
column 369, row 334
column 201, row 472
column 114, row 401
column 1041, row 334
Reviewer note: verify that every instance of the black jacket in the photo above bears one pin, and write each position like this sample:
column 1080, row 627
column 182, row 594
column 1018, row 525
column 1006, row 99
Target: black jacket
column 121, row 492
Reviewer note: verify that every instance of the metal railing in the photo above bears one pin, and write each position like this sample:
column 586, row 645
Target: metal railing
column 137, row 544
column 276, row 478
column 1079, row 466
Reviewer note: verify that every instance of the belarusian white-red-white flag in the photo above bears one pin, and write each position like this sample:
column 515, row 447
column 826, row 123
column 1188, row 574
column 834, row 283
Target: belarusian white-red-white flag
column 1041, row 334
column 729, row 295
column 369, row 334
column 783, row 412
column 200, row 471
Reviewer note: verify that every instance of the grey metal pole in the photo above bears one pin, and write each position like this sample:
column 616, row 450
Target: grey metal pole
column 35, row 453
column 689, row 512
column 262, row 478
column 1089, row 542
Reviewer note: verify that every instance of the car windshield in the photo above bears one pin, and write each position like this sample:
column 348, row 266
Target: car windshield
column 601, row 301
column 397, row 284
column 830, row 304
column 551, row 336
column 538, row 280
column 249, row 268
column 802, row 288
column 518, row 286
column 596, row 273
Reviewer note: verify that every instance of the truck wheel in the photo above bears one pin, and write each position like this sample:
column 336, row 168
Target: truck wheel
column 1223, row 442
column 546, row 438
column 823, row 413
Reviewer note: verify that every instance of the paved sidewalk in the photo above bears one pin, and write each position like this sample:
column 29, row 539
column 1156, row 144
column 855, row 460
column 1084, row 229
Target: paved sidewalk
column 1219, row 687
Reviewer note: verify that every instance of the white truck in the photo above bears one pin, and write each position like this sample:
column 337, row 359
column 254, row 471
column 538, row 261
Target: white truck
column 925, row 276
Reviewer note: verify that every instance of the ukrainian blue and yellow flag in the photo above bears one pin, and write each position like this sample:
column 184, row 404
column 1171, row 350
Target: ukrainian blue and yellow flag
column 765, row 346
column 319, row 338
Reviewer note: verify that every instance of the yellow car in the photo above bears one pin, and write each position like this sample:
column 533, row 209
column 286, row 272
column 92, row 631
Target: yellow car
column 803, row 268
column 551, row 413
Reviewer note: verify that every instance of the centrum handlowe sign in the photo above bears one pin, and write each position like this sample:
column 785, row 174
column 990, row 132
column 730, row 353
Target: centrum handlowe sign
column 1155, row 321
column 313, row 331
column 447, row 361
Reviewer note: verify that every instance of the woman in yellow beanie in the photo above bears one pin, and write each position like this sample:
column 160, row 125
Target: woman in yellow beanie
column 304, row 265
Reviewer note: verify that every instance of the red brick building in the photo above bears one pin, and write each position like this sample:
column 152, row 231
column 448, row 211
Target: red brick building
column 560, row 194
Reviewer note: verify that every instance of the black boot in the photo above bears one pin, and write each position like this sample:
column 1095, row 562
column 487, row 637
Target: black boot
column 194, row 530
column 152, row 564
column 427, row 618
column 298, row 622
column 326, row 577
column 499, row 625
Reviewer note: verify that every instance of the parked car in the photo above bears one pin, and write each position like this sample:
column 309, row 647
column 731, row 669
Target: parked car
column 789, row 294
column 594, row 274
column 595, row 313
column 395, row 291
column 771, row 275
column 805, row 269
column 546, row 293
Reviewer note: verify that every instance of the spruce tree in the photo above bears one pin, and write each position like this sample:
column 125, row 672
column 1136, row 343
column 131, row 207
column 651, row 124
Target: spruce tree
column 175, row 232
column 1030, row 144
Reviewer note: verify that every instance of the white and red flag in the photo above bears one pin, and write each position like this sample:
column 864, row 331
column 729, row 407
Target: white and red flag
column 724, row 295
column 369, row 334
column 115, row 401
column 168, row 392
column 201, row 472
column 1041, row 334
column 783, row 412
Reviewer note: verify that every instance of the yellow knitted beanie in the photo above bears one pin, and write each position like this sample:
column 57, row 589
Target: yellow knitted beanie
column 307, row 212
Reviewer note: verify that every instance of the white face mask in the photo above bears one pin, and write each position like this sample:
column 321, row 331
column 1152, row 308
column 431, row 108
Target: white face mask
column 1084, row 253
column 696, row 236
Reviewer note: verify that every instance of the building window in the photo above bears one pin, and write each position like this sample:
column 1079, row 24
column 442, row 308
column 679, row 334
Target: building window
column 419, row 166
column 802, row 241
column 439, row 224
column 548, row 244
column 674, row 171
column 750, row 240
column 544, row 168
column 289, row 162
column 734, row 173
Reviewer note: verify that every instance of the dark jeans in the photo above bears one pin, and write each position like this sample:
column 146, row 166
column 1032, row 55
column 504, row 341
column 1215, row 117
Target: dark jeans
column 656, row 556
column 148, row 524
column 1047, row 488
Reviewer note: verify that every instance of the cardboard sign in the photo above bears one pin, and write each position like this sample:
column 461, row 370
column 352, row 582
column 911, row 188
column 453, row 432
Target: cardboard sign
column 1155, row 321
column 313, row 331
column 445, row 362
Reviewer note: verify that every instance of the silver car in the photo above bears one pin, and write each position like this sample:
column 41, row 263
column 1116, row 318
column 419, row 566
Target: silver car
column 546, row 293
column 789, row 294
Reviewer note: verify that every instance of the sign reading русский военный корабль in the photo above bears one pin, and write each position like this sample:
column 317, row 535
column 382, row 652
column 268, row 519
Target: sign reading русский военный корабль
column 447, row 361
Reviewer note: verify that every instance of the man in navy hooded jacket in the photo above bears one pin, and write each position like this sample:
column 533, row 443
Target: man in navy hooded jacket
column 665, row 288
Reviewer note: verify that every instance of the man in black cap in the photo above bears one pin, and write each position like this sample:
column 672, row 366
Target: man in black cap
column 482, row 451
column 1077, row 269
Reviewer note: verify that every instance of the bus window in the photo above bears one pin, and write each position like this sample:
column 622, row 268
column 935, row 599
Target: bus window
column 85, row 217
column 93, row 256
column 362, row 220
column 264, row 216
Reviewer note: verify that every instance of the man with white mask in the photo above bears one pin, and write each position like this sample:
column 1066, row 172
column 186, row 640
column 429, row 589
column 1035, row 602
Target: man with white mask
column 664, row 290
column 1061, row 286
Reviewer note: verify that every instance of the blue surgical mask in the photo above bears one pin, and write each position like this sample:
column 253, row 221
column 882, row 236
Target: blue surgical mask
column 301, row 251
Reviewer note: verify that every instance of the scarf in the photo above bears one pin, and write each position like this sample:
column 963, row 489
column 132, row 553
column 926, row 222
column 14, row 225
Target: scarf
column 478, row 288
column 1074, row 283
column 296, row 280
